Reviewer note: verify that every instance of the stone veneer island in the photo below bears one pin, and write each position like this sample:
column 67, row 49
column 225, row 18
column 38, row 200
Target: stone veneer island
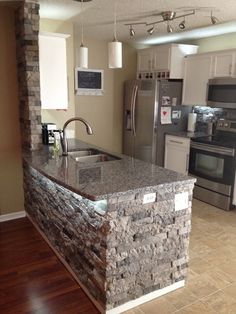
column 121, row 251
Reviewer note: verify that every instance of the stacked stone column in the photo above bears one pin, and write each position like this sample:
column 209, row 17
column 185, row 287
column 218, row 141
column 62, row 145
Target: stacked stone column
column 27, row 51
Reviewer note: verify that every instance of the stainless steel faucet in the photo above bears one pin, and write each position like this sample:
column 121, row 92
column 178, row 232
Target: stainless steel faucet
column 64, row 143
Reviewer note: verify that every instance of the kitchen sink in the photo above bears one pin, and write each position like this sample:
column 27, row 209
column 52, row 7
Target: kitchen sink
column 84, row 152
column 91, row 156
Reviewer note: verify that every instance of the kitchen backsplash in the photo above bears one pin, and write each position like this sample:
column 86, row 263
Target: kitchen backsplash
column 207, row 118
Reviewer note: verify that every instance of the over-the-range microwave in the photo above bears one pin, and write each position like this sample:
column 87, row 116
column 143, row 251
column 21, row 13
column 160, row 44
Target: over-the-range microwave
column 89, row 82
column 221, row 92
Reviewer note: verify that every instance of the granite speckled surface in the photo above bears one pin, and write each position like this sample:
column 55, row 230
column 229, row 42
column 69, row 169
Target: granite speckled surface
column 102, row 180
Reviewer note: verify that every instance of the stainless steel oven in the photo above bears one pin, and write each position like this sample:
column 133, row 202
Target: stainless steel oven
column 212, row 162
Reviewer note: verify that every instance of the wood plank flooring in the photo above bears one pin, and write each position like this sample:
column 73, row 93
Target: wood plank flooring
column 32, row 279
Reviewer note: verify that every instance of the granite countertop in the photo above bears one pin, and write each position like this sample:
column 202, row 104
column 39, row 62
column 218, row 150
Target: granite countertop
column 101, row 180
column 187, row 134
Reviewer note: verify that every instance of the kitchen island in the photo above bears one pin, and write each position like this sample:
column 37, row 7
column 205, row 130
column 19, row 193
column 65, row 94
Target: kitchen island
column 121, row 227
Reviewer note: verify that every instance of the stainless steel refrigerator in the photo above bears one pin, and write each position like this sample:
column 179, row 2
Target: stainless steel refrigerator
column 144, row 127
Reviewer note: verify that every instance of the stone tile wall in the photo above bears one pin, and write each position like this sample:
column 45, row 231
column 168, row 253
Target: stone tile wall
column 121, row 253
column 27, row 51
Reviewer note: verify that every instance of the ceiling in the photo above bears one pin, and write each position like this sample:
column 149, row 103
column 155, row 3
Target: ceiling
column 99, row 15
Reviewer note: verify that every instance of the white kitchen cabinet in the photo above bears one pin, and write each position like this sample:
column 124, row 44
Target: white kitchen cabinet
column 223, row 64
column 144, row 60
column 161, row 58
column 164, row 61
column 177, row 153
column 199, row 68
column 196, row 75
column 53, row 71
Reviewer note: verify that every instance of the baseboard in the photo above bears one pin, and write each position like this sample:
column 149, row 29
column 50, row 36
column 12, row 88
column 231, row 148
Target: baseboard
column 124, row 307
column 12, row 216
column 146, row 298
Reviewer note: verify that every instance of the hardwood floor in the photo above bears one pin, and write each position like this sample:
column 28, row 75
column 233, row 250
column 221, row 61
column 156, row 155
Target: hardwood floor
column 32, row 279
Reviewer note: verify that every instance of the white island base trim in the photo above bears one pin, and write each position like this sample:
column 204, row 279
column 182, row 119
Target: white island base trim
column 124, row 307
column 146, row 298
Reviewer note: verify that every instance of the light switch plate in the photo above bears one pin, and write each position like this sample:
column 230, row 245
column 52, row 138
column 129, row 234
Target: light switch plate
column 149, row 198
column 181, row 201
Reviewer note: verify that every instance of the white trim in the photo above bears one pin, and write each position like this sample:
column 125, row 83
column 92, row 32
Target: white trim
column 146, row 298
column 12, row 216
column 50, row 34
column 124, row 307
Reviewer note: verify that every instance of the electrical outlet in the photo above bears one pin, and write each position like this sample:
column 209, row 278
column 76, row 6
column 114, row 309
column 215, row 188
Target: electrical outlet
column 149, row 198
column 181, row 201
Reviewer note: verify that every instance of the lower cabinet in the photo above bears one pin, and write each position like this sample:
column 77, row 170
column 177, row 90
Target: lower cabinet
column 177, row 153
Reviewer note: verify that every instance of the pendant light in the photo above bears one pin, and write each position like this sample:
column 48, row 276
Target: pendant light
column 115, row 48
column 83, row 51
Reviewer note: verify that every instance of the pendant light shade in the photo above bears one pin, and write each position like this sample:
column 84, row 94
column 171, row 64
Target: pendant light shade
column 115, row 48
column 83, row 57
column 115, row 54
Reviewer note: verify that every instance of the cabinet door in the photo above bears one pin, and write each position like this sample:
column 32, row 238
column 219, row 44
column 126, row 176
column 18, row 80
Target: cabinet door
column 144, row 62
column 161, row 58
column 223, row 64
column 53, row 71
column 196, row 75
column 177, row 153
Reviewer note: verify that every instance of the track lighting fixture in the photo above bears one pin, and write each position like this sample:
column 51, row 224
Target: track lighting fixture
column 182, row 24
column 131, row 31
column 167, row 17
column 151, row 30
column 214, row 20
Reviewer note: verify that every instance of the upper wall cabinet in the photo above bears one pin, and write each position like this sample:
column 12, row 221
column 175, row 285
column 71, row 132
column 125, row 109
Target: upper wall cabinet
column 200, row 68
column 196, row 75
column 165, row 61
column 53, row 71
column 224, row 64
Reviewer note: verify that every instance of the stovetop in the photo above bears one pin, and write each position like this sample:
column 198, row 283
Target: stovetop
column 225, row 134
column 220, row 139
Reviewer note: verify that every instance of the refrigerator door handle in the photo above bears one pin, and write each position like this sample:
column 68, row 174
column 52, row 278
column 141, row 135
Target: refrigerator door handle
column 131, row 108
column 134, row 109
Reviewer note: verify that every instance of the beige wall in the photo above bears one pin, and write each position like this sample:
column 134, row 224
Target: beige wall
column 104, row 113
column 60, row 116
column 221, row 42
column 11, row 190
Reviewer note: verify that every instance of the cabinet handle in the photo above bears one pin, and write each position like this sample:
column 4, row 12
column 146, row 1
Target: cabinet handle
column 187, row 162
column 177, row 142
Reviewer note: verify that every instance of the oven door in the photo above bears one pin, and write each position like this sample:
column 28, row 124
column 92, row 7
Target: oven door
column 213, row 163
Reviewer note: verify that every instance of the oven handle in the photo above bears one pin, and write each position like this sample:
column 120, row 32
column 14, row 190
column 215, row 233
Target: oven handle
column 214, row 149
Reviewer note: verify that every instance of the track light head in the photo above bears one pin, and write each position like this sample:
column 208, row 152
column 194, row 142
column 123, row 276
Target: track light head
column 169, row 28
column 131, row 31
column 151, row 30
column 182, row 25
column 214, row 20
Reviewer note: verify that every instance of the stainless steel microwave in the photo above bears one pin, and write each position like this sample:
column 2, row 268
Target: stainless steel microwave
column 221, row 92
